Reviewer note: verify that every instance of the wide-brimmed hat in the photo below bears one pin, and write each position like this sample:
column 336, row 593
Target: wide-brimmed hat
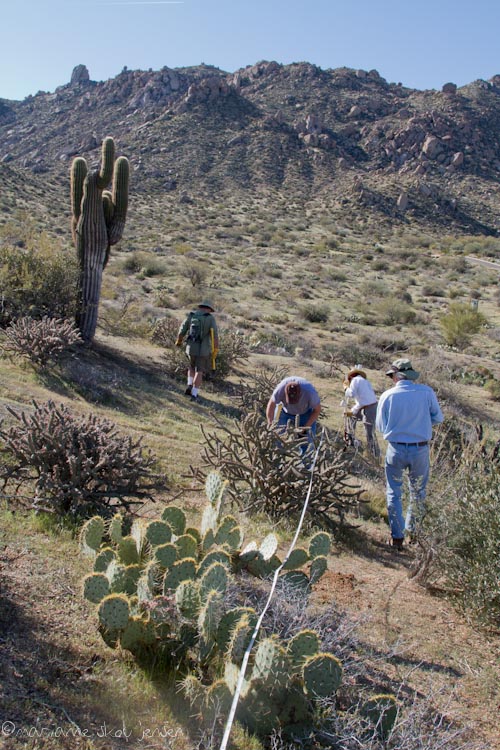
column 356, row 370
column 404, row 367
column 208, row 305
column 292, row 393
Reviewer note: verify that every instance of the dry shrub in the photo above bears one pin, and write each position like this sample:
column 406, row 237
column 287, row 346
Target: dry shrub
column 40, row 340
column 80, row 465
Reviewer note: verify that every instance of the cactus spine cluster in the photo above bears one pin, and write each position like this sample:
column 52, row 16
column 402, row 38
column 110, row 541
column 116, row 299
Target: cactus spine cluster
column 98, row 220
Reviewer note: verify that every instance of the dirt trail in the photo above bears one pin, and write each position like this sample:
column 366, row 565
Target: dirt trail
column 428, row 644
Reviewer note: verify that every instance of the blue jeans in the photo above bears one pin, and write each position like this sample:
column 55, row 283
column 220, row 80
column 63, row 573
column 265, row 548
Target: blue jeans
column 415, row 458
column 284, row 418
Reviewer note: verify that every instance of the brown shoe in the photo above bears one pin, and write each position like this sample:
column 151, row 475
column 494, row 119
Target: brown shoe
column 397, row 543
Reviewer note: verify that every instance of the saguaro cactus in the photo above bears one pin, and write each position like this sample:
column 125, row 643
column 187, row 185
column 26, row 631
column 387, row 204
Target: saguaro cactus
column 97, row 223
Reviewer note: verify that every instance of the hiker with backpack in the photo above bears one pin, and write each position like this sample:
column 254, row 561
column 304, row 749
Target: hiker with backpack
column 202, row 344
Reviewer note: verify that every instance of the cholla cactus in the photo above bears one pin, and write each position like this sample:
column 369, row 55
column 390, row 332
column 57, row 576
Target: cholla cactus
column 39, row 340
column 79, row 464
column 98, row 220
column 266, row 474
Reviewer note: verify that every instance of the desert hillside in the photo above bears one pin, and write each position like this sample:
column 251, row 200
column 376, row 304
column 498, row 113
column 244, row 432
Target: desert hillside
column 331, row 218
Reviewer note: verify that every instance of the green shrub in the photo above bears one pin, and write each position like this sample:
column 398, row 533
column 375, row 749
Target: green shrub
column 315, row 313
column 460, row 323
column 394, row 312
column 459, row 542
column 433, row 290
column 37, row 281
column 493, row 388
column 132, row 263
column 470, row 559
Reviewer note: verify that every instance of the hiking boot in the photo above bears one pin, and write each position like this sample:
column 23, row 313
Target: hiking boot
column 195, row 399
column 396, row 543
column 188, row 390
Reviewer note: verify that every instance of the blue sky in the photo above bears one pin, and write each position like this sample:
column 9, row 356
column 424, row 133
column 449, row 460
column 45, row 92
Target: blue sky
column 423, row 43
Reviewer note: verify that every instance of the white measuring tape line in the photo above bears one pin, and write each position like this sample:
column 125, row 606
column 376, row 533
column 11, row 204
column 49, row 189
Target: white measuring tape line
column 246, row 656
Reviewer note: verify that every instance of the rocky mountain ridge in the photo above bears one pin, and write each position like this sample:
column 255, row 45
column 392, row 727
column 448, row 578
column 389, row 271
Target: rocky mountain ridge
column 367, row 144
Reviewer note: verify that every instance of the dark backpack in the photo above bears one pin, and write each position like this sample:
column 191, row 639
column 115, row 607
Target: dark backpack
column 195, row 334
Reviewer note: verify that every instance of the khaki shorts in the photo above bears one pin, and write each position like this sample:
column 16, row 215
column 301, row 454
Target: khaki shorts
column 199, row 363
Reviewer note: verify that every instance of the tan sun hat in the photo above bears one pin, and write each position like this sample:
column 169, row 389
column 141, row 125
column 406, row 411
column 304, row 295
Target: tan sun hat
column 355, row 371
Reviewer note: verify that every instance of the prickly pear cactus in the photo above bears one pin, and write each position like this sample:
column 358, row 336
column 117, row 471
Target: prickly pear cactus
column 166, row 554
column 304, row 644
column 175, row 518
column 296, row 559
column 319, row 565
column 187, row 599
column 240, row 638
column 322, row 675
column 95, row 587
column 214, row 488
column 158, row 532
column 114, row 612
column 98, row 220
column 382, row 712
column 320, row 544
column 182, row 570
column 103, row 559
column 91, row 535
column 269, row 546
column 115, row 528
column 167, row 588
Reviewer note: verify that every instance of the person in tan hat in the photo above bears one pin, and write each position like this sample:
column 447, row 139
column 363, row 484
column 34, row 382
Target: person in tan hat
column 202, row 344
column 406, row 414
column 358, row 387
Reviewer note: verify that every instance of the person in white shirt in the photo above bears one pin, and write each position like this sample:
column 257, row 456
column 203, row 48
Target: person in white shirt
column 358, row 387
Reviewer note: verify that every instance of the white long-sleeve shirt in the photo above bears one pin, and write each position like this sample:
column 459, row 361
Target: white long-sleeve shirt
column 361, row 390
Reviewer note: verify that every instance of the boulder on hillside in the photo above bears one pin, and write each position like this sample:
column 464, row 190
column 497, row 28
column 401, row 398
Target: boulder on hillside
column 432, row 147
column 80, row 75
column 402, row 201
column 449, row 88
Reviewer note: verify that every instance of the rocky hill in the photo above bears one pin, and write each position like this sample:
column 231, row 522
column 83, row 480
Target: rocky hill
column 350, row 136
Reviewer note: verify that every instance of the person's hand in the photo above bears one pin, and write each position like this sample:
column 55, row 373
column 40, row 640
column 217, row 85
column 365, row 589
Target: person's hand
column 178, row 341
column 348, row 413
column 345, row 383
